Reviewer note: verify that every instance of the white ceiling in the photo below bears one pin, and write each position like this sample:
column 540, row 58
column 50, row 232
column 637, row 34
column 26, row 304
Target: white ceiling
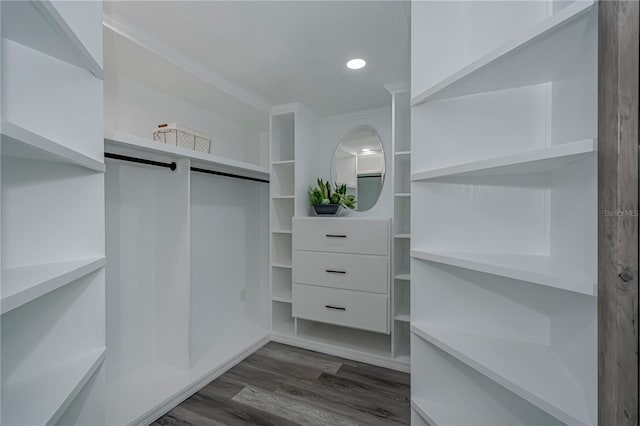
column 291, row 51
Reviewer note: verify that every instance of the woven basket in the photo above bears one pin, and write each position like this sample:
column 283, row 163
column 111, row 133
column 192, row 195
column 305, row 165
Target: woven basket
column 174, row 134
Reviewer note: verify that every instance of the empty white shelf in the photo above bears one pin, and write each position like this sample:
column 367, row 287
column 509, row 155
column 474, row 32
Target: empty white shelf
column 282, row 231
column 284, row 327
column 281, row 265
column 402, row 317
column 282, row 296
column 538, row 55
column 544, row 270
column 531, row 370
column 56, row 388
column 39, row 25
column 18, row 142
column 402, row 236
column 369, row 343
column 400, row 153
column 283, row 197
column 198, row 159
column 24, row 284
column 284, row 163
column 402, row 194
column 536, row 161
column 405, row 276
column 404, row 359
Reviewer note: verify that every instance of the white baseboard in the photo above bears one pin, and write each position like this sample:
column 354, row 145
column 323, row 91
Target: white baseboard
column 175, row 400
column 342, row 352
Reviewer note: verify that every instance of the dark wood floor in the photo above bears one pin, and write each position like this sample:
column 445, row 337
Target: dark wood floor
column 282, row 385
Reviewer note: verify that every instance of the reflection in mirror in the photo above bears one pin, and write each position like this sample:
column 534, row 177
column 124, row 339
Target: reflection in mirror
column 359, row 164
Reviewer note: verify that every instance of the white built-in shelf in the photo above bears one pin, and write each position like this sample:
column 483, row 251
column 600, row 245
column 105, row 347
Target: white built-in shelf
column 56, row 389
column 531, row 370
column 283, row 197
column 531, row 58
column 403, row 153
column 402, row 194
column 18, row 142
column 404, row 359
column 402, row 236
column 24, row 284
column 284, row 163
column 402, row 316
column 438, row 414
column 403, row 276
column 198, row 159
column 281, row 231
column 369, row 343
column 281, row 265
column 39, row 25
column 537, row 269
column 536, row 161
column 282, row 296
column 285, row 327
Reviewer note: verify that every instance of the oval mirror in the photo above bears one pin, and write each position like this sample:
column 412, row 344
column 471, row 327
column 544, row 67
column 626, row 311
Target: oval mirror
column 359, row 164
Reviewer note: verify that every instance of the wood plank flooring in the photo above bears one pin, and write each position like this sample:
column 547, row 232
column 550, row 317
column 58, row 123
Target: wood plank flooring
column 282, row 385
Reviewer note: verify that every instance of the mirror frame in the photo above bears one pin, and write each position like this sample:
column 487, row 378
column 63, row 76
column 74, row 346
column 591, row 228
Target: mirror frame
column 333, row 170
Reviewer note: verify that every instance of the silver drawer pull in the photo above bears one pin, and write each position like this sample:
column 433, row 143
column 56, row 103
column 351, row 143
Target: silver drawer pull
column 336, row 235
column 335, row 308
column 333, row 271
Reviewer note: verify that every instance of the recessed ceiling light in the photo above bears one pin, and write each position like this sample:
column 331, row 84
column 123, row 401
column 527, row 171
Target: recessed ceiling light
column 356, row 64
column 366, row 149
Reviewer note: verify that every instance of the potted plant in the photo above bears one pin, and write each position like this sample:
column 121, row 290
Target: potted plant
column 326, row 202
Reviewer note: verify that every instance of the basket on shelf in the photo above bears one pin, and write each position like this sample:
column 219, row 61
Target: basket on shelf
column 174, row 134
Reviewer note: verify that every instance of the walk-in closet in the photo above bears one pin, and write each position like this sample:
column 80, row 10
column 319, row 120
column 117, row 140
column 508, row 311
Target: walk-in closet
column 318, row 213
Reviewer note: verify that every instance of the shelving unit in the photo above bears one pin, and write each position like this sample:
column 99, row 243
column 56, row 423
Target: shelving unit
column 21, row 143
column 23, row 284
column 69, row 379
column 208, row 272
column 50, row 28
column 118, row 140
column 535, row 269
column 401, row 281
column 543, row 160
column 52, row 208
column 530, row 370
column 538, row 55
column 186, row 310
column 282, row 193
column 503, row 204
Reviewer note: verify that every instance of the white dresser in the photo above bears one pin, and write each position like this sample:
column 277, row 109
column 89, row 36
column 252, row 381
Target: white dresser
column 341, row 272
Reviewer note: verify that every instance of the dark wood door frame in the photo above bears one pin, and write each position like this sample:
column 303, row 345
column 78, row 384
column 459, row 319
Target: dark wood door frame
column 618, row 213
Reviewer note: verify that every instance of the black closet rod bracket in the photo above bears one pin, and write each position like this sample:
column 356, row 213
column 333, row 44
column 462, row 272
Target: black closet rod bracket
column 171, row 165
column 231, row 175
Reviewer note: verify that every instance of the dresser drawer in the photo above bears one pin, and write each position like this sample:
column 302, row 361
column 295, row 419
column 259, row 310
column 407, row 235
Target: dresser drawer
column 349, row 271
column 367, row 311
column 358, row 236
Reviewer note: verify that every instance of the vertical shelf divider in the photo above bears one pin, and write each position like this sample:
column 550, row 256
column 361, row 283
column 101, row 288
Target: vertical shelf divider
column 282, row 190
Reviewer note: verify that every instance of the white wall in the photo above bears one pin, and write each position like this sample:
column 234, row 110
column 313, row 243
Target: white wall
column 134, row 108
column 332, row 129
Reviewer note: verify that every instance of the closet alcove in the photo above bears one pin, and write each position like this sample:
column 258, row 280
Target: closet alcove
column 135, row 272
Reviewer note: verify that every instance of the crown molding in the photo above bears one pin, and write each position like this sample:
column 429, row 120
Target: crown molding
column 397, row 87
column 357, row 115
column 120, row 26
column 285, row 108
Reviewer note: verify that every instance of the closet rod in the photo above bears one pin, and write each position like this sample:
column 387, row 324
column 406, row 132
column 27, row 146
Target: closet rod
column 211, row 172
column 171, row 166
